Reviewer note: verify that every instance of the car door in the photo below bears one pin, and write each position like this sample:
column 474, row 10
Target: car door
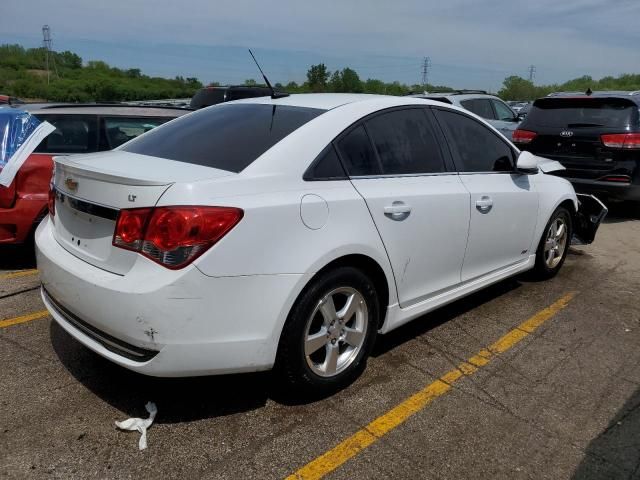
column 506, row 120
column 420, row 208
column 503, row 203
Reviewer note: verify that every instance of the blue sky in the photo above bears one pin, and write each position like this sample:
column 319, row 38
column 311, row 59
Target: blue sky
column 471, row 44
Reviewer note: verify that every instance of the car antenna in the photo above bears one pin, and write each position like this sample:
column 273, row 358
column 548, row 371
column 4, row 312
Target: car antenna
column 274, row 94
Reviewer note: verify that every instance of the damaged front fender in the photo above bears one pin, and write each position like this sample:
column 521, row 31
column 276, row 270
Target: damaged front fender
column 587, row 219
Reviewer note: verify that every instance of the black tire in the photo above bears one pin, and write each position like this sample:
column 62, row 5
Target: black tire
column 292, row 366
column 542, row 270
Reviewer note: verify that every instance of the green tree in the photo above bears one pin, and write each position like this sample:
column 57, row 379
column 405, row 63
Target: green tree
column 317, row 77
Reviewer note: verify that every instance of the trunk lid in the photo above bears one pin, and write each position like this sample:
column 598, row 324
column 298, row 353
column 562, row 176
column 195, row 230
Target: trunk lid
column 92, row 189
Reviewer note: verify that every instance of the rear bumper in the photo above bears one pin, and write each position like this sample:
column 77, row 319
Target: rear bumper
column 620, row 191
column 162, row 322
column 16, row 223
column 587, row 220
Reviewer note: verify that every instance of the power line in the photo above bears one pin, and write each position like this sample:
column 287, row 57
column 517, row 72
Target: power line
column 532, row 73
column 426, row 65
column 49, row 56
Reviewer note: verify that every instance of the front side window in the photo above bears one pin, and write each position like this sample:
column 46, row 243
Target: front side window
column 227, row 136
column 405, row 142
column 73, row 134
column 478, row 149
column 503, row 112
column 119, row 130
column 479, row 106
column 357, row 153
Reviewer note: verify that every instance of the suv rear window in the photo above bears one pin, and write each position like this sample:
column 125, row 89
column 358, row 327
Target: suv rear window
column 73, row 134
column 583, row 112
column 228, row 136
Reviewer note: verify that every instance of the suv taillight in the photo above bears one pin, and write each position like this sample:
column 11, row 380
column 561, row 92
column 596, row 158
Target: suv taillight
column 173, row 236
column 523, row 136
column 8, row 195
column 630, row 141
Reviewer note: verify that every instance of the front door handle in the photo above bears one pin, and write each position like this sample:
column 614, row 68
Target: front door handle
column 397, row 211
column 484, row 204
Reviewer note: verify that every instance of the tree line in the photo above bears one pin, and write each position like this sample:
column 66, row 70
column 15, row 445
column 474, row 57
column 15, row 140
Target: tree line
column 22, row 74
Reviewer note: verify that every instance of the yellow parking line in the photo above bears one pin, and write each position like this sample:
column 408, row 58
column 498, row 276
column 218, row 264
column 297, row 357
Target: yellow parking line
column 382, row 425
column 22, row 273
column 23, row 319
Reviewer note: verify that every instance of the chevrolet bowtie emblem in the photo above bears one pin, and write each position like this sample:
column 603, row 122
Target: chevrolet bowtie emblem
column 71, row 184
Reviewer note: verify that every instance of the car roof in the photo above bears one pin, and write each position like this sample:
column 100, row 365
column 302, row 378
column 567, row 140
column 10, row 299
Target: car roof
column 630, row 95
column 329, row 101
column 113, row 110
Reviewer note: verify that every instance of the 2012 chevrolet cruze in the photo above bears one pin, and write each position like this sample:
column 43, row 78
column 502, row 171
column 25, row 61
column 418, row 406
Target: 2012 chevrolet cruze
column 288, row 232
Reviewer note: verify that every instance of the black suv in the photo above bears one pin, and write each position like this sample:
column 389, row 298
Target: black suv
column 208, row 96
column 595, row 136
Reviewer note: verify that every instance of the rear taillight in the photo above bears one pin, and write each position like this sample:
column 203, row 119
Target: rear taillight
column 630, row 141
column 173, row 236
column 8, row 195
column 616, row 178
column 523, row 136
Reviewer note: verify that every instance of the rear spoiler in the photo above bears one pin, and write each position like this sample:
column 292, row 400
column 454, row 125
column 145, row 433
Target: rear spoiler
column 587, row 219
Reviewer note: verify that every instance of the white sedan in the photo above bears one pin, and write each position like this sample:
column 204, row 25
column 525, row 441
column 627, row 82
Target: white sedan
column 289, row 232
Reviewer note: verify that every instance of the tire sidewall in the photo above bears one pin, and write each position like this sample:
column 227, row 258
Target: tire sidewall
column 541, row 266
column 291, row 359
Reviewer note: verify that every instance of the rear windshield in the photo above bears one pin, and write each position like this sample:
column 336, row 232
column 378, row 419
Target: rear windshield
column 228, row 136
column 583, row 112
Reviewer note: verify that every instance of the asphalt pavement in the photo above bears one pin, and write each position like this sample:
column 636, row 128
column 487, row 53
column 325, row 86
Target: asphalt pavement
column 524, row 380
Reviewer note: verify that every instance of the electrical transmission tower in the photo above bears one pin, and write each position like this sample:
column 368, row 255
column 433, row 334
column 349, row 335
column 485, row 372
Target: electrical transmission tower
column 532, row 73
column 49, row 56
column 426, row 65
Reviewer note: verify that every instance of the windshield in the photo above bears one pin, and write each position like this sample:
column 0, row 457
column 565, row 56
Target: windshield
column 227, row 136
column 583, row 112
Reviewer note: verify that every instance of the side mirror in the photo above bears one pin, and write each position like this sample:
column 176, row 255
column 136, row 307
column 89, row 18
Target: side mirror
column 527, row 163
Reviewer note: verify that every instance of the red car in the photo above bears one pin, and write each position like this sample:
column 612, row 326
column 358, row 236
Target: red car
column 79, row 129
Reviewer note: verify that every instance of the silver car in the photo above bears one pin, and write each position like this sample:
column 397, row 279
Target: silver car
column 487, row 106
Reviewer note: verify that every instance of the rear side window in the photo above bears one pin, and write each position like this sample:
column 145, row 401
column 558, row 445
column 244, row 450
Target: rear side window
column 405, row 142
column 475, row 147
column 479, row 106
column 228, row 136
column 119, row 130
column 583, row 112
column 73, row 134
column 502, row 111
column 326, row 167
column 357, row 153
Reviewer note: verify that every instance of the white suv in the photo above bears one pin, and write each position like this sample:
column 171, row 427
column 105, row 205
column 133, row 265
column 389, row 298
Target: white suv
column 494, row 110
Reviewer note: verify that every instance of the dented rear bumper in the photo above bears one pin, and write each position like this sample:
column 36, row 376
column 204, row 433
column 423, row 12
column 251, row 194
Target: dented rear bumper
column 587, row 219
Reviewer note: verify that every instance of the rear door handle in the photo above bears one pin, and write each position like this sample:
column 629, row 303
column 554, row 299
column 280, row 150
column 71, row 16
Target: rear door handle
column 397, row 211
column 484, row 204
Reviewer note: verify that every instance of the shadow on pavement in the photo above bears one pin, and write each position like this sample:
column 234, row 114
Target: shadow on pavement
column 622, row 212
column 188, row 399
column 615, row 453
column 17, row 257
column 431, row 320
column 179, row 399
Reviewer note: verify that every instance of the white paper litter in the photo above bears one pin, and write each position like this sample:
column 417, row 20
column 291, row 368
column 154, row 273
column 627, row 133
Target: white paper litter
column 140, row 424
